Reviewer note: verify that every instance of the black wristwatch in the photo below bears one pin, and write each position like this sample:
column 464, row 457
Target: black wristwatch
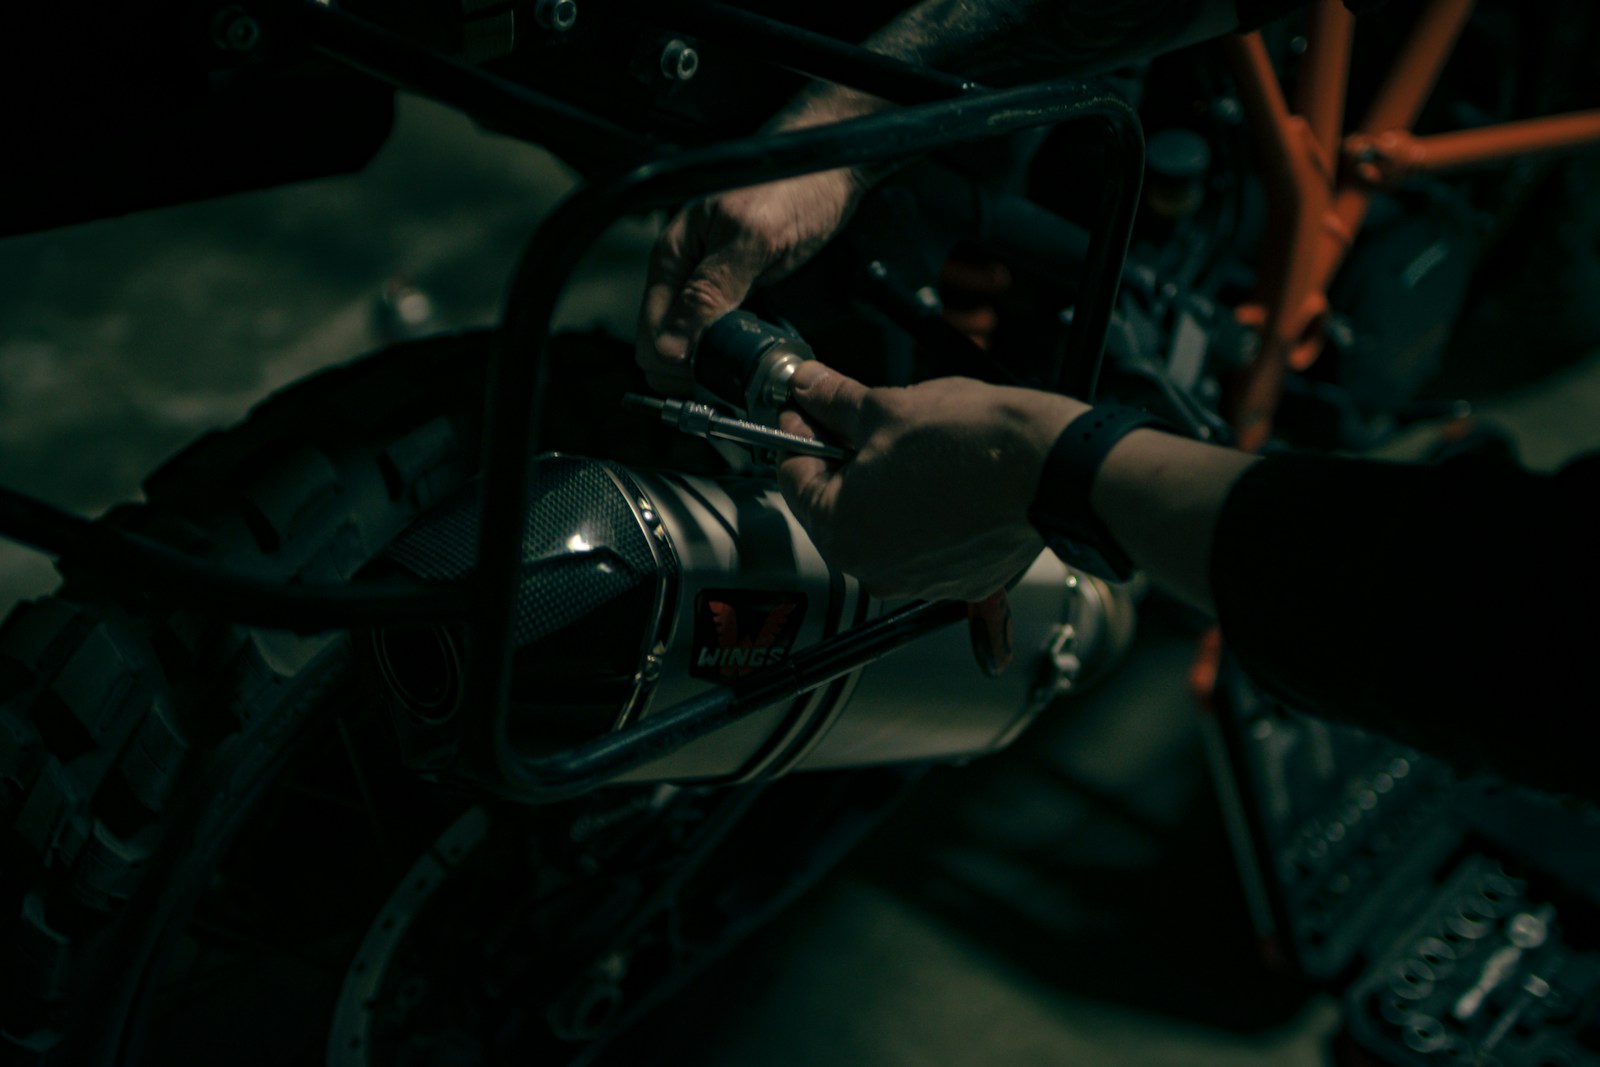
column 1061, row 511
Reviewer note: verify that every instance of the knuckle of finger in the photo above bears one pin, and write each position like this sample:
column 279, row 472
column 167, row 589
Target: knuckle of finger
column 704, row 294
column 884, row 405
column 765, row 251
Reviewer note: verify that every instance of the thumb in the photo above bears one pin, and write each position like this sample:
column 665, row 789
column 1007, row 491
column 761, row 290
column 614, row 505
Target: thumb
column 833, row 401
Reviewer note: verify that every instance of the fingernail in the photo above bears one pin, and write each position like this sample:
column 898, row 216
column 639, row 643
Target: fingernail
column 672, row 346
column 978, row 634
column 802, row 384
column 990, row 627
column 992, row 634
column 1009, row 636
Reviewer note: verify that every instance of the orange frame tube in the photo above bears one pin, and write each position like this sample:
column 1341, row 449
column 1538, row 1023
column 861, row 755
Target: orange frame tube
column 1319, row 179
column 1396, row 153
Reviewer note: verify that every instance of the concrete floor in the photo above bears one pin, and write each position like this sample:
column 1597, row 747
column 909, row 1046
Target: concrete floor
column 1071, row 900
column 1068, row 902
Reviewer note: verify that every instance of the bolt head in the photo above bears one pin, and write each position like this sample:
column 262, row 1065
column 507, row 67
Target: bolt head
column 233, row 29
column 1229, row 109
column 557, row 15
column 679, row 62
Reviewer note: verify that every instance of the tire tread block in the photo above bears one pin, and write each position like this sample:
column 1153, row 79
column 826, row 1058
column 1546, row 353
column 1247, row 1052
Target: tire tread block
column 153, row 761
column 277, row 504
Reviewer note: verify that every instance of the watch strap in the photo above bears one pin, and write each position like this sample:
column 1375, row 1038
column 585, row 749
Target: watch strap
column 1061, row 510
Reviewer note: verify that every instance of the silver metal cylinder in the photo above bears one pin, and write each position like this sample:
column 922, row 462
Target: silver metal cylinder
column 647, row 588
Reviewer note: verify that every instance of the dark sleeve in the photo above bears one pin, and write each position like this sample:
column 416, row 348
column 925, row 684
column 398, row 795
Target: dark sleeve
column 1452, row 607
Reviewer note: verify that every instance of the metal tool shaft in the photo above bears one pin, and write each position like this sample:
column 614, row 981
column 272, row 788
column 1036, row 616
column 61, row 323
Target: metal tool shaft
column 702, row 420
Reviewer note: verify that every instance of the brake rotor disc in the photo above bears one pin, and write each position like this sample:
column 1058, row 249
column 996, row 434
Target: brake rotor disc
column 370, row 986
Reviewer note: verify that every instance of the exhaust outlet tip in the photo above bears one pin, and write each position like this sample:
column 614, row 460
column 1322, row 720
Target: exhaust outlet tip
column 422, row 669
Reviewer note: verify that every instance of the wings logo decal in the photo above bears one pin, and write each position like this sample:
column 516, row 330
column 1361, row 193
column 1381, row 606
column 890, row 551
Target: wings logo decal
column 739, row 631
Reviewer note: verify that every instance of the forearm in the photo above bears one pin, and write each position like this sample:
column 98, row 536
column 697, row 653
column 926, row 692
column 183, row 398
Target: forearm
column 1004, row 42
column 1013, row 41
column 1161, row 496
column 1009, row 42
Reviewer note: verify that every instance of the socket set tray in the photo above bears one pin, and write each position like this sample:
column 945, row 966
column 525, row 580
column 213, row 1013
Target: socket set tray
column 1460, row 917
column 1497, row 970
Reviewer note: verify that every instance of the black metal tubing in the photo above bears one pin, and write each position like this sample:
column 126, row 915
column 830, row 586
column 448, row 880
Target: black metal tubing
column 604, row 759
column 501, row 104
column 805, row 51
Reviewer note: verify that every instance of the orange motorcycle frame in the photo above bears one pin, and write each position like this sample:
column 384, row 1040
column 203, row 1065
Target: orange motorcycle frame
column 1319, row 178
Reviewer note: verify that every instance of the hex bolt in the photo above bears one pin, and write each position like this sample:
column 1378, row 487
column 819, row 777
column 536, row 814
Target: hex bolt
column 679, row 61
column 557, row 15
column 233, row 29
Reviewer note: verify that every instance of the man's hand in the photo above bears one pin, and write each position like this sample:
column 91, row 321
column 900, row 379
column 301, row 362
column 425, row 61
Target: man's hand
column 935, row 502
column 715, row 250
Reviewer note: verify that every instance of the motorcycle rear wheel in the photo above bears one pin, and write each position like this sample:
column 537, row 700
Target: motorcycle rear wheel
column 213, row 853
column 136, row 746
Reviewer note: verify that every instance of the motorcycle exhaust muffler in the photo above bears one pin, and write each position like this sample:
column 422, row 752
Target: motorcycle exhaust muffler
column 643, row 588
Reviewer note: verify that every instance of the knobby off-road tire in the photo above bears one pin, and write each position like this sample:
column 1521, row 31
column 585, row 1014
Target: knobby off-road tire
column 133, row 745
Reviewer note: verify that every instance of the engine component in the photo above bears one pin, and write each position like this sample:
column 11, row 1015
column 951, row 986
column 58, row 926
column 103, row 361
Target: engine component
column 1176, row 162
column 1419, row 258
column 645, row 588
